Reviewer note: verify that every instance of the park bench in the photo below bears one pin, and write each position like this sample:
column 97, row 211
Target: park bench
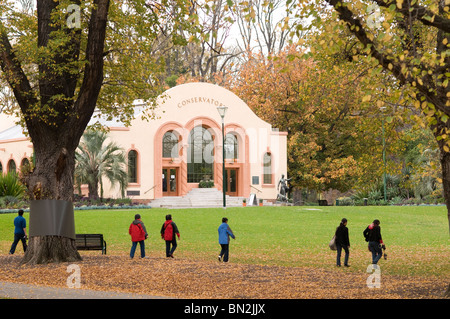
column 91, row 242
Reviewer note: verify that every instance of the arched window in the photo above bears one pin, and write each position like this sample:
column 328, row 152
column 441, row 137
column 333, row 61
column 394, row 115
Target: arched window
column 1, row 168
column 200, row 155
column 132, row 166
column 12, row 166
column 25, row 162
column 231, row 146
column 267, row 169
column 170, row 145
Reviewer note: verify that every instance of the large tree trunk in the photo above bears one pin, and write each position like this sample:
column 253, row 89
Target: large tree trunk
column 52, row 178
column 438, row 129
column 50, row 249
column 445, row 164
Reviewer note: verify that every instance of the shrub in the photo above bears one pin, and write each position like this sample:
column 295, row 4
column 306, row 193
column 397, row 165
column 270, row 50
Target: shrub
column 10, row 185
column 398, row 200
column 345, row 201
column 206, row 184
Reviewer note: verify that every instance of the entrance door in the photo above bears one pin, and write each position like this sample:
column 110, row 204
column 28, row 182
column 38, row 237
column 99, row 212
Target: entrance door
column 170, row 181
column 231, row 176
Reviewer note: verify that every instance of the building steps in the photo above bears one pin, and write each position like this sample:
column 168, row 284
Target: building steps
column 198, row 197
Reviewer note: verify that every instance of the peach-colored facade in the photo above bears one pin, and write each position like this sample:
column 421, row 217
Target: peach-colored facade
column 179, row 110
column 15, row 147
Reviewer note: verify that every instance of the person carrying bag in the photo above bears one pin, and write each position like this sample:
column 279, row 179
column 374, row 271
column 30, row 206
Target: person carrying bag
column 342, row 241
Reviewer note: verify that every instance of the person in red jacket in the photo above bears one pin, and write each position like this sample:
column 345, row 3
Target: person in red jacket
column 168, row 231
column 138, row 234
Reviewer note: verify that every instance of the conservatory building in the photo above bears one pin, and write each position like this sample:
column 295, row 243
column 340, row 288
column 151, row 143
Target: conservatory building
column 183, row 147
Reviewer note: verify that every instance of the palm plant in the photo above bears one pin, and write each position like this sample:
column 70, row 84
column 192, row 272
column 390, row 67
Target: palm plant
column 95, row 159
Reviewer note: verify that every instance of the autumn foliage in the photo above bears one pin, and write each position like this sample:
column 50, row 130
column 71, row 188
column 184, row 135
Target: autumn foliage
column 319, row 106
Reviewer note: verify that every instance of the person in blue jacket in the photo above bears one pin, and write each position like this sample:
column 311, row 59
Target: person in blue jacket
column 20, row 232
column 224, row 239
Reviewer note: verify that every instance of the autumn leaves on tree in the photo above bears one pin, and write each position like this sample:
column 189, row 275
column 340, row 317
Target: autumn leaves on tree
column 409, row 40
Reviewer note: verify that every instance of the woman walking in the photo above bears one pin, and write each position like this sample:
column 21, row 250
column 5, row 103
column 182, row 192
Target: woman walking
column 342, row 242
column 373, row 235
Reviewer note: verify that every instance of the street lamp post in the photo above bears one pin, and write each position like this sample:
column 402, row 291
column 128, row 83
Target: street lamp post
column 383, row 108
column 222, row 111
column 384, row 162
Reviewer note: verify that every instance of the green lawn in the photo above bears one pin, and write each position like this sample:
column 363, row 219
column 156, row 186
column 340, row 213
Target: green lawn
column 417, row 237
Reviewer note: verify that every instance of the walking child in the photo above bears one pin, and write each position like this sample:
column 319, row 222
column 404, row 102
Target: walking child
column 168, row 231
column 224, row 239
column 138, row 234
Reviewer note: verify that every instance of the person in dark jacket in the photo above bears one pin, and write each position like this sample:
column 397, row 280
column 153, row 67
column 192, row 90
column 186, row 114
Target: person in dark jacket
column 20, row 232
column 373, row 235
column 342, row 242
column 224, row 239
column 168, row 231
column 138, row 234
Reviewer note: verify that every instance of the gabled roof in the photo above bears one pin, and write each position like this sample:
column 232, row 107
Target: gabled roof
column 12, row 133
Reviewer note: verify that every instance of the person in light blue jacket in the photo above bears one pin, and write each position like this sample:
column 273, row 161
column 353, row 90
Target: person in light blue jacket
column 224, row 239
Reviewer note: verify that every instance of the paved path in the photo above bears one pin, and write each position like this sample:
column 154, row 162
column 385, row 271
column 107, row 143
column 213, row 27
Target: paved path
column 25, row 291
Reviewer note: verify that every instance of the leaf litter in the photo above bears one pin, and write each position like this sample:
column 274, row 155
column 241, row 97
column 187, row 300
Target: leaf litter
column 188, row 278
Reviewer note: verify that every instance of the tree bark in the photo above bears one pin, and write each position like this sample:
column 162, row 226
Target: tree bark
column 50, row 249
column 52, row 178
column 445, row 165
